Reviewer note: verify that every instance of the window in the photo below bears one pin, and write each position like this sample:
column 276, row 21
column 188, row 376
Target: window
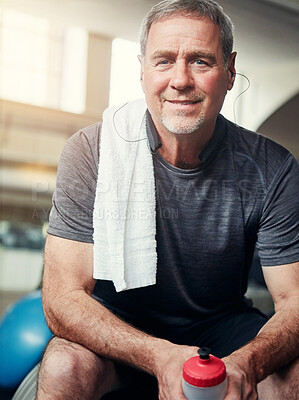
column 125, row 72
column 38, row 61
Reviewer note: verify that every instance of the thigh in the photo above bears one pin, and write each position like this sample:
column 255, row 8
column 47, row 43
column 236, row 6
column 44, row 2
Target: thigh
column 70, row 370
column 284, row 384
column 129, row 382
column 100, row 375
column 232, row 331
column 135, row 384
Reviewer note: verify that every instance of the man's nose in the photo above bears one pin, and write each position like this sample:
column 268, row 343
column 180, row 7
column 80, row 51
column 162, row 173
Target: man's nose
column 181, row 77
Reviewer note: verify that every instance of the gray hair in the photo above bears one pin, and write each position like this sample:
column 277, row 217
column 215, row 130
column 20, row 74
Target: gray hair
column 191, row 8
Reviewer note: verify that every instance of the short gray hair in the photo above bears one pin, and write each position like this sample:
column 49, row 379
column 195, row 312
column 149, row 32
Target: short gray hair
column 191, row 8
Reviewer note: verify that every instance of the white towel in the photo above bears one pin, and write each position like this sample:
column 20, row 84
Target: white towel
column 124, row 216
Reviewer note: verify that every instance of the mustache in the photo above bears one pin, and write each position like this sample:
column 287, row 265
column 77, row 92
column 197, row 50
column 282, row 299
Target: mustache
column 187, row 96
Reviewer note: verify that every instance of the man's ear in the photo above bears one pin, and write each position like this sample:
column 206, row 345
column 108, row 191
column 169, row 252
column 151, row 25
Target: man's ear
column 231, row 70
column 140, row 58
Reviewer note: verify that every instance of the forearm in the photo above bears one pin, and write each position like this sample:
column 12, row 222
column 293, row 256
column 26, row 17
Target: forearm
column 77, row 317
column 73, row 314
column 276, row 345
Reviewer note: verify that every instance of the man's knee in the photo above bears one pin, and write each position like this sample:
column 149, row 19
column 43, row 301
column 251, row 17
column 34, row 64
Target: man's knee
column 68, row 366
column 63, row 358
column 284, row 384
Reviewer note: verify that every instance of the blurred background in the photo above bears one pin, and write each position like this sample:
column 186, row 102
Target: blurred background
column 62, row 62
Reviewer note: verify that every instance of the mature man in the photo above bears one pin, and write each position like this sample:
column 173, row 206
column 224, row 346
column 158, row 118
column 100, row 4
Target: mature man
column 219, row 190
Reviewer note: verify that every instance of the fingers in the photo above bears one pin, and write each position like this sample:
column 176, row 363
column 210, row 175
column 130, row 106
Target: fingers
column 239, row 386
column 171, row 393
column 169, row 373
column 170, row 385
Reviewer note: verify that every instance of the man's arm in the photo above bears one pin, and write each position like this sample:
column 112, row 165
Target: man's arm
column 73, row 314
column 277, row 343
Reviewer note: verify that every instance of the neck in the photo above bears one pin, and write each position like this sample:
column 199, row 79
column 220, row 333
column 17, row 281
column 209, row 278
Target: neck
column 183, row 151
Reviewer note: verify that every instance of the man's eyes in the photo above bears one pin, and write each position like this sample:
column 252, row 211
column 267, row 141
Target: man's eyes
column 167, row 62
column 163, row 62
column 200, row 62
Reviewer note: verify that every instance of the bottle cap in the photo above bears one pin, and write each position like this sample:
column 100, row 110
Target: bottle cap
column 205, row 370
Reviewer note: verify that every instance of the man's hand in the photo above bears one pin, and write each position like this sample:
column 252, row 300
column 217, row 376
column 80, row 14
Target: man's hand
column 241, row 383
column 169, row 369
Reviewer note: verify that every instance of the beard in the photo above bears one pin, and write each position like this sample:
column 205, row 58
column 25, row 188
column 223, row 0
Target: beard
column 181, row 123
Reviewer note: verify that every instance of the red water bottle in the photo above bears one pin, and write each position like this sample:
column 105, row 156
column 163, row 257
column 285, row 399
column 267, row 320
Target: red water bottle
column 204, row 377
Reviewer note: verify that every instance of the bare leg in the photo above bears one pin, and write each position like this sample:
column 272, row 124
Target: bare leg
column 69, row 371
column 281, row 385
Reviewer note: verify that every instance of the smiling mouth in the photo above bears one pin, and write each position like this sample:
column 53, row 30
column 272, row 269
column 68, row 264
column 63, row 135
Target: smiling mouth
column 183, row 102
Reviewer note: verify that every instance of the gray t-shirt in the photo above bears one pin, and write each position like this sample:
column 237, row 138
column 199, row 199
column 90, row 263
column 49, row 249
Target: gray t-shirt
column 208, row 222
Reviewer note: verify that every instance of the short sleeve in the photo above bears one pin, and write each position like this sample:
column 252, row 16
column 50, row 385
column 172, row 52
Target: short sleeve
column 73, row 199
column 278, row 235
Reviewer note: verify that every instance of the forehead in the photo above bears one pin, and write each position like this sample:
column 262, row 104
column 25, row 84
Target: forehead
column 180, row 32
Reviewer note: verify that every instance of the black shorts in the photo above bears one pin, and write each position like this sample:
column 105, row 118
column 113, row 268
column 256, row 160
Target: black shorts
column 222, row 335
column 231, row 332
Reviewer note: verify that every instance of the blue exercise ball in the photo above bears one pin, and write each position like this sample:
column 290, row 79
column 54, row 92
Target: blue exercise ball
column 24, row 335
